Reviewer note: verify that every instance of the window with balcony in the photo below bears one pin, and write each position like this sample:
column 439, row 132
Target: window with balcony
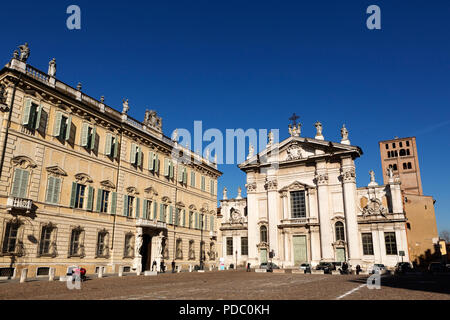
column 298, row 204
column 19, row 187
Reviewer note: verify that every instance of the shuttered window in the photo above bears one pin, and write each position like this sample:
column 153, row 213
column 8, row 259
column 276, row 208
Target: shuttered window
column 31, row 114
column 88, row 136
column 203, row 185
column 111, row 145
column 53, row 190
column 20, row 183
column 211, row 223
column 62, row 126
column 193, row 179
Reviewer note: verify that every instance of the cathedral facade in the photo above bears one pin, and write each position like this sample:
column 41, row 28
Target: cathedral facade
column 303, row 206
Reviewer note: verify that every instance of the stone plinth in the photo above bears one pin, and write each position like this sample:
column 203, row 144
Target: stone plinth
column 279, row 271
column 150, row 273
column 260, row 270
column 317, row 272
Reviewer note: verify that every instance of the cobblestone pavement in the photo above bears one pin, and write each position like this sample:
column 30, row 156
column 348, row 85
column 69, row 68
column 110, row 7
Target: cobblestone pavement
column 234, row 285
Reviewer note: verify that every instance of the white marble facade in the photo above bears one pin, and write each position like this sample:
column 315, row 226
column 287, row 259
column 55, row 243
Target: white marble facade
column 303, row 192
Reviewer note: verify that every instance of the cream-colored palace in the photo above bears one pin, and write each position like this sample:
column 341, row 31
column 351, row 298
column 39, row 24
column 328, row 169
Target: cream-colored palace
column 303, row 206
column 83, row 184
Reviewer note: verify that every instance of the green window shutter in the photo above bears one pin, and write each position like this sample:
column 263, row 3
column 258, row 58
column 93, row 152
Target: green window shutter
column 138, row 207
column 139, row 156
column 57, row 126
column 211, row 223
column 113, row 203
column 155, row 210
column 180, row 173
column 69, row 126
column 192, row 179
column 151, row 160
column 125, row 205
column 116, row 146
column 184, row 218
column 205, row 225
column 73, row 194
column 99, row 200
column 185, row 175
column 171, row 215
column 108, row 144
column 50, row 187
column 56, row 190
column 92, row 146
column 90, row 201
column 171, row 169
column 38, row 117
column 84, row 135
column 24, row 184
column 133, row 154
column 203, row 183
column 144, row 209
column 15, row 190
column 156, row 164
column 166, row 167
column 196, row 220
column 26, row 111
column 161, row 212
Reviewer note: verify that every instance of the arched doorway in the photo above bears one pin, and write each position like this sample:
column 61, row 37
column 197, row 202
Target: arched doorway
column 146, row 252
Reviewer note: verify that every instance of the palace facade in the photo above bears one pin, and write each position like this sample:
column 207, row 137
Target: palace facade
column 83, row 184
column 303, row 206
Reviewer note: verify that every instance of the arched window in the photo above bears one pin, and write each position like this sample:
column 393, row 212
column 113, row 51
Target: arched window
column 263, row 233
column 340, row 235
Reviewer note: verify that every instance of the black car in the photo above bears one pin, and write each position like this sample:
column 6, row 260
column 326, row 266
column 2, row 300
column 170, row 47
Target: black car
column 327, row 267
column 403, row 267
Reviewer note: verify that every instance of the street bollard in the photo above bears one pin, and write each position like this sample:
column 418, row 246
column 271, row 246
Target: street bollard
column 210, row 268
column 190, row 268
column 51, row 274
column 100, row 272
column 120, row 271
column 23, row 275
column 178, row 269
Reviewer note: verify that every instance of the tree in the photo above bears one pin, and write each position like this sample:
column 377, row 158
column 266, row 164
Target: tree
column 445, row 234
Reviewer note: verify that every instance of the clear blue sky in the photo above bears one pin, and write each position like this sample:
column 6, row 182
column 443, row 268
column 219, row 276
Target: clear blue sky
column 251, row 64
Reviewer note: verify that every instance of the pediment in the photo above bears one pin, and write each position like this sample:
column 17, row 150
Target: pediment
column 83, row 178
column 132, row 190
column 296, row 186
column 299, row 149
column 56, row 170
column 108, row 184
column 23, row 162
column 151, row 191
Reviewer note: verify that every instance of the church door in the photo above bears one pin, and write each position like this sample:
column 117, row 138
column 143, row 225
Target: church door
column 263, row 255
column 300, row 253
column 340, row 254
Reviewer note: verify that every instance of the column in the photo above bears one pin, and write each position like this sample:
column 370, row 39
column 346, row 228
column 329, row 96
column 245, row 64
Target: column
column 351, row 223
column 285, row 205
column 252, row 220
column 315, row 245
column 326, row 233
column 272, row 208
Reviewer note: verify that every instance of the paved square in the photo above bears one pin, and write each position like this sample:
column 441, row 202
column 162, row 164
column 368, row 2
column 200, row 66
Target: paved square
column 234, row 285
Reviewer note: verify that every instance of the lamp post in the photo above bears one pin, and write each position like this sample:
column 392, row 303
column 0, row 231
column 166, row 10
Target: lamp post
column 236, row 260
column 201, row 241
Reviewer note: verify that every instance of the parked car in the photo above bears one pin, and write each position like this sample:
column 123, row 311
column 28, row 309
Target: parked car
column 306, row 267
column 377, row 268
column 327, row 267
column 403, row 267
column 438, row 267
column 269, row 266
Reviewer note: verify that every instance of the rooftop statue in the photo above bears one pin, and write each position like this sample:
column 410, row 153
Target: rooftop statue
column 52, row 68
column 24, row 52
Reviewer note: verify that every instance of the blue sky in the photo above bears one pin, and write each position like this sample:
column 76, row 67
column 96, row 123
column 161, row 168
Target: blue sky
column 251, row 64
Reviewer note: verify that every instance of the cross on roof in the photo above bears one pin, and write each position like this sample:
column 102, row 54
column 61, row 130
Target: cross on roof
column 294, row 119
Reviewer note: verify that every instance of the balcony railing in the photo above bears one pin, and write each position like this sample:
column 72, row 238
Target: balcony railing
column 151, row 223
column 19, row 204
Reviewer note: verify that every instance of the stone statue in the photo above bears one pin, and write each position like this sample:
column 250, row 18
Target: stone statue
column 390, row 173
column 225, row 193
column 79, row 86
column 239, row 193
column 344, row 133
column 24, row 52
column 52, row 68
column 372, row 176
column 102, row 99
column 126, row 107
column 270, row 137
column 207, row 154
column 251, row 150
column 16, row 54
column 175, row 135
column 318, row 126
column 295, row 131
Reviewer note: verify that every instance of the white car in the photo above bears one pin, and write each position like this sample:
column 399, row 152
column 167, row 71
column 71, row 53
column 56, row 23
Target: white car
column 377, row 268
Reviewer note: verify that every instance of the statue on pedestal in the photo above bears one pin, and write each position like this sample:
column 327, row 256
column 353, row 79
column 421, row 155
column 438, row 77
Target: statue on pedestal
column 52, row 68
column 225, row 190
column 24, row 52
column 319, row 129
column 125, row 106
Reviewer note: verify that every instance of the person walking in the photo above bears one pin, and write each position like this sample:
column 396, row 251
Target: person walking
column 248, row 267
column 154, row 265
column 358, row 269
column 173, row 266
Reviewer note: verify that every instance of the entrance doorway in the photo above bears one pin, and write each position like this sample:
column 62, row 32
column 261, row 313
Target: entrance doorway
column 263, row 255
column 146, row 252
column 340, row 254
column 300, row 250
